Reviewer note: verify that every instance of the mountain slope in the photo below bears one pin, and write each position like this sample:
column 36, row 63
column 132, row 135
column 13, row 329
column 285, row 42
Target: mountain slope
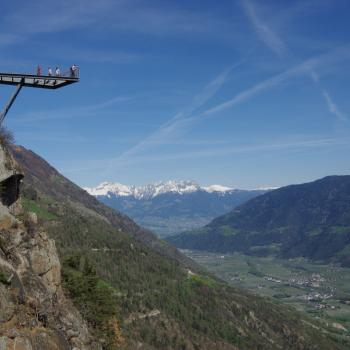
column 310, row 220
column 42, row 177
column 34, row 311
column 172, row 206
column 150, row 300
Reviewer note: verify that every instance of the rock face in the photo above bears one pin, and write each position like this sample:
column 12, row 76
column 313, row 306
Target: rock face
column 34, row 312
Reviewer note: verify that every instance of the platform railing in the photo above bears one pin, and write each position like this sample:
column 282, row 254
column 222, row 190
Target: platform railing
column 71, row 74
column 66, row 74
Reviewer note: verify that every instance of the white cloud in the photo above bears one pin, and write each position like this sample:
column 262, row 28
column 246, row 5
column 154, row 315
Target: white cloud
column 95, row 55
column 70, row 112
column 116, row 16
column 316, row 143
column 276, row 44
column 268, row 36
column 333, row 108
column 7, row 39
column 227, row 151
column 340, row 54
column 179, row 121
column 188, row 117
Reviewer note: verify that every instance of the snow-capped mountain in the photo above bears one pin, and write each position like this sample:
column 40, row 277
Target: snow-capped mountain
column 152, row 190
column 108, row 188
column 217, row 188
column 171, row 206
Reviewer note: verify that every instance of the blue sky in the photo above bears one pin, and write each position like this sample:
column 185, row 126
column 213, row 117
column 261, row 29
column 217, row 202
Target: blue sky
column 242, row 93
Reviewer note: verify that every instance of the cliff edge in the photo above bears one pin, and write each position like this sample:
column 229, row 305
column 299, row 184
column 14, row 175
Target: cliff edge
column 34, row 312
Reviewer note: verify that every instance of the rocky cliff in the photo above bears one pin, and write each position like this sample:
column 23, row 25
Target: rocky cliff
column 34, row 312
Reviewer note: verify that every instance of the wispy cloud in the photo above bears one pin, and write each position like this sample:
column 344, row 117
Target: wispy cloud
column 279, row 47
column 116, row 16
column 226, row 151
column 333, row 108
column 177, row 122
column 70, row 112
column 56, row 16
column 265, row 33
column 300, row 145
column 185, row 119
column 160, row 19
column 6, row 39
column 52, row 138
column 95, row 55
column 262, row 86
column 338, row 55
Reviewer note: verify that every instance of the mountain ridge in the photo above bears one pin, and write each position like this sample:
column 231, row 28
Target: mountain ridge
column 46, row 179
column 154, row 189
column 310, row 220
column 173, row 206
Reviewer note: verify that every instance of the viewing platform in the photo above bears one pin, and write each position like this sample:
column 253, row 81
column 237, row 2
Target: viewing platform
column 36, row 81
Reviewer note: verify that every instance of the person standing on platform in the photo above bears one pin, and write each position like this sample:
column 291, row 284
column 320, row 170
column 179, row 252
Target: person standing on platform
column 49, row 72
column 38, row 71
column 57, row 72
column 74, row 70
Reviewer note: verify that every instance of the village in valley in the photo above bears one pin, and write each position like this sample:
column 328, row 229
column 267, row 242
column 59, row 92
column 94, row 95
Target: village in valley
column 320, row 290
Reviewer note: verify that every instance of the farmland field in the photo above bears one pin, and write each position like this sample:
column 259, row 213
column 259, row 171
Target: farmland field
column 322, row 291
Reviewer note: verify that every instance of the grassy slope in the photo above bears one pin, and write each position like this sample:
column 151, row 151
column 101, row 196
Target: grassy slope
column 185, row 311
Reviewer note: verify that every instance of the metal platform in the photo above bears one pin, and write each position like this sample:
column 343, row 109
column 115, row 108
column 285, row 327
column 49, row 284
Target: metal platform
column 42, row 81
column 34, row 81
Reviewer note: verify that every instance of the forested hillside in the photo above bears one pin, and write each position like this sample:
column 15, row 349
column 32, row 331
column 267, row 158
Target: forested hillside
column 310, row 220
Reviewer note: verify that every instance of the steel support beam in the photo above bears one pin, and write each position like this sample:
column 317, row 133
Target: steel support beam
column 10, row 103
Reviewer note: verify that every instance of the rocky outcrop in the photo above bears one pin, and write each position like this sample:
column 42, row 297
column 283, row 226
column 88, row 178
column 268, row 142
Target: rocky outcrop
column 34, row 312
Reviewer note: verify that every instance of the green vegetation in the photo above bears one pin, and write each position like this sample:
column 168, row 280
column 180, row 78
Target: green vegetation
column 96, row 299
column 6, row 136
column 142, row 281
column 42, row 213
column 127, row 282
column 202, row 281
column 3, row 278
column 154, row 294
column 132, row 293
column 226, row 230
column 322, row 291
column 253, row 268
column 311, row 220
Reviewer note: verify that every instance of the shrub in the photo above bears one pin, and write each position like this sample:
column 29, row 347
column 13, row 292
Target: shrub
column 6, row 136
column 95, row 299
column 4, row 279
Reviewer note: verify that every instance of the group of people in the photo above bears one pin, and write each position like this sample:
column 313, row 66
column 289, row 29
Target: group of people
column 73, row 71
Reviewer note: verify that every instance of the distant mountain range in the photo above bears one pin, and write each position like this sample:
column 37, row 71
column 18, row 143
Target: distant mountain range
column 153, row 190
column 173, row 206
column 310, row 220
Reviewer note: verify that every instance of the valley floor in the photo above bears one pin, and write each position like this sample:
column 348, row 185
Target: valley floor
column 322, row 291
